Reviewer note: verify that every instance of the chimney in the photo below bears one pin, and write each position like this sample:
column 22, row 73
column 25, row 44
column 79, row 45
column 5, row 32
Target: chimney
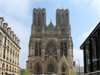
column 5, row 26
column 12, row 34
column 14, row 37
column 9, row 30
column 1, row 21
column 18, row 41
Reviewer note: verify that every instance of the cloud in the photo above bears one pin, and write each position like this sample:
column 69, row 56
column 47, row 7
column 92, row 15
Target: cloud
column 86, row 34
column 15, row 8
column 23, row 33
column 96, row 5
column 79, row 1
column 78, row 54
column 16, row 14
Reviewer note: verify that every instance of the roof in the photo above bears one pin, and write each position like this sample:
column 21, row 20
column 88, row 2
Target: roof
column 91, row 34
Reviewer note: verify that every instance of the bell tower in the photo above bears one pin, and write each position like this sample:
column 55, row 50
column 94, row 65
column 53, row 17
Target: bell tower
column 39, row 21
column 62, row 17
column 39, row 17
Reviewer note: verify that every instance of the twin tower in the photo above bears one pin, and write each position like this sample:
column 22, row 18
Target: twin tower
column 50, row 47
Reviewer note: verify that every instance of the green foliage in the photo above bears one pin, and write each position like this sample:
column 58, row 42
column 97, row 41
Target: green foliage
column 21, row 72
column 26, row 72
column 72, row 73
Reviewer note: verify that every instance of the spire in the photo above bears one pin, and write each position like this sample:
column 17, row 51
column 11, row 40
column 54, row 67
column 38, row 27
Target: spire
column 50, row 20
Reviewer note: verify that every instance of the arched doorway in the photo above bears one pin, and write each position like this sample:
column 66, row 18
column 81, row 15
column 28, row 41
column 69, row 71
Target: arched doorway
column 38, row 68
column 50, row 68
column 63, row 70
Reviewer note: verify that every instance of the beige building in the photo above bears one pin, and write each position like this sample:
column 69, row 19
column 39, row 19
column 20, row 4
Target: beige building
column 50, row 47
column 9, row 50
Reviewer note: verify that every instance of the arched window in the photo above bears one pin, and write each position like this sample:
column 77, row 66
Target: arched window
column 50, row 68
column 65, row 48
column 2, row 73
column 61, row 48
column 63, row 69
column 39, row 19
column 15, row 70
column 3, row 66
column 62, row 19
column 38, row 48
column 4, row 54
column 38, row 69
column 7, row 67
column 10, row 68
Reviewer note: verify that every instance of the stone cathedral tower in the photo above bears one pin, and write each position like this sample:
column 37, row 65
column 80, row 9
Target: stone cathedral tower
column 50, row 47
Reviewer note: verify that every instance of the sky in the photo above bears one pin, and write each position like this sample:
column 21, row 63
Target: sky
column 84, row 16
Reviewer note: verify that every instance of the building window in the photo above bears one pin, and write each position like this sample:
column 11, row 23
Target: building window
column 3, row 66
column 63, row 48
column 88, row 57
column 50, row 68
column 63, row 69
column 7, row 67
column 10, row 69
column 7, row 54
column 94, row 54
column 39, row 19
column 63, row 31
column 4, row 54
column 2, row 73
column 13, row 56
column 38, row 69
column 62, row 19
column 38, row 48
column 5, row 41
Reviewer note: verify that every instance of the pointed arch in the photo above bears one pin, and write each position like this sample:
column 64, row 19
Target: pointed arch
column 63, row 65
column 38, row 68
column 62, row 19
column 39, row 19
column 50, row 68
column 63, row 69
column 38, row 48
column 51, row 65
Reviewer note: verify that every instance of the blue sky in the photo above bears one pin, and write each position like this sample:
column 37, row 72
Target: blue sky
column 84, row 16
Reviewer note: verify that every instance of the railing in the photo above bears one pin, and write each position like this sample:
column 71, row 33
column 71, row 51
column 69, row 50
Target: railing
column 93, row 73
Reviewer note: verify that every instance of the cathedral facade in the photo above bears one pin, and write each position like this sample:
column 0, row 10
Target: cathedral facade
column 50, row 47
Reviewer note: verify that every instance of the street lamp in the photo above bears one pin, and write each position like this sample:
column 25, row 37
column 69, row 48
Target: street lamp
column 79, row 65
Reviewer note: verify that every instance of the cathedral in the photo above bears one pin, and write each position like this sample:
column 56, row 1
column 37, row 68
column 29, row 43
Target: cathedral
column 50, row 46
